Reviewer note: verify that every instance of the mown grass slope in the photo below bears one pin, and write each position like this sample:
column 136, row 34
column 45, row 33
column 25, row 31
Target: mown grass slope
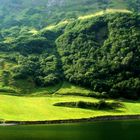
column 71, row 89
column 41, row 108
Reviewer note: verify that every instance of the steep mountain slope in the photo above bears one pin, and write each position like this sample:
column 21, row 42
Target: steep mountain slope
column 99, row 52
column 103, row 53
column 40, row 13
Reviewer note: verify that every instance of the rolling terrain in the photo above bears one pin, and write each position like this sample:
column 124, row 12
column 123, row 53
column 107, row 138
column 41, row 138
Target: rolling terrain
column 42, row 108
column 61, row 52
column 53, row 52
column 99, row 52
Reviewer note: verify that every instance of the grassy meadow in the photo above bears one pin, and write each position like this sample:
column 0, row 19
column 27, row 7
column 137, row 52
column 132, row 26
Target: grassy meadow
column 42, row 108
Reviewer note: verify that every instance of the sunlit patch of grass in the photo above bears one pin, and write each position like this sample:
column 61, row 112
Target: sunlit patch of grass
column 48, row 90
column 33, row 31
column 41, row 108
column 118, row 10
column 62, row 23
column 71, row 89
column 9, row 40
column 107, row 11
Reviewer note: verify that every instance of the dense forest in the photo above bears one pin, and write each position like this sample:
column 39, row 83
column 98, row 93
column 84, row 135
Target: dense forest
column 100, row 53
column 103, row 54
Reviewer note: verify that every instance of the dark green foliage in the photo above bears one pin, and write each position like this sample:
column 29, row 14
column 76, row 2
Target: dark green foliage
column 7, row 90
column 5, row 78
column 103, row 54
column 100, row 53
column 44, row 70
column 31, row 45
column 101, row 105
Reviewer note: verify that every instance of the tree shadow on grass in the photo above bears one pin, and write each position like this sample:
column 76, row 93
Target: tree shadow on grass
column 129, row 101
column 94, row 106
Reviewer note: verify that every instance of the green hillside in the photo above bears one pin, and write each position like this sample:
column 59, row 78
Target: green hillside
column 99, row 52
column 66, row 59
column 40, row 13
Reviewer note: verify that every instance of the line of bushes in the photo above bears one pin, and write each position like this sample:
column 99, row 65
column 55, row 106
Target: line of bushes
column 7, row 90
column 90, row 94
column 101, row 105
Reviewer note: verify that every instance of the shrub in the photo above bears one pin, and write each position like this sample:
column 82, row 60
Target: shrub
column 101, row 105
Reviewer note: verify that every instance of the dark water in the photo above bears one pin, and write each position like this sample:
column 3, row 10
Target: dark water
column 109, row 130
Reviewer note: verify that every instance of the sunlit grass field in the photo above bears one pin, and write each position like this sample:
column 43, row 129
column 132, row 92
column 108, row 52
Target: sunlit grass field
column 41, row 108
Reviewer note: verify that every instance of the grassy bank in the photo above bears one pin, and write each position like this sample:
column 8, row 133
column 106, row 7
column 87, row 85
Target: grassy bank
column 98, row 118
column 42, row 108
